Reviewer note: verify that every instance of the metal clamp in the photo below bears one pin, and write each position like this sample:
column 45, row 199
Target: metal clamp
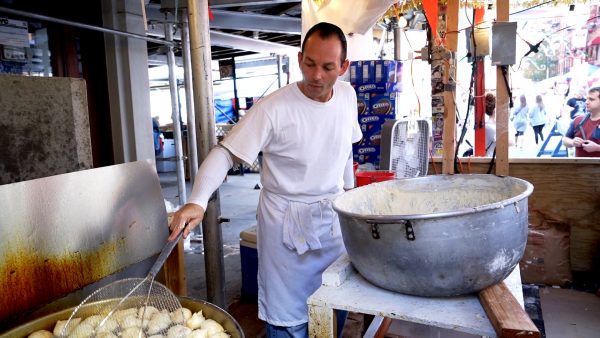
column 410, row 233
column 375, row 231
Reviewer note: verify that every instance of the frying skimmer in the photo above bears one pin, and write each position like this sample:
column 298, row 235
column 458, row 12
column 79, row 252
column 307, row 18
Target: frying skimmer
column 103, row 309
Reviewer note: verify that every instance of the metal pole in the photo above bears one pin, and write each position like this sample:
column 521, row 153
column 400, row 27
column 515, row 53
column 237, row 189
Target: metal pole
column 203, row 103
column 175, row 116
column 279, row 70
column 397, row 37
column 86, row 26
column 236, row 99
column 189, row 98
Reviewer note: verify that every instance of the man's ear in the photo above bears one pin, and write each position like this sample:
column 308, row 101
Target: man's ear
column 344, row 67
column 299, row 58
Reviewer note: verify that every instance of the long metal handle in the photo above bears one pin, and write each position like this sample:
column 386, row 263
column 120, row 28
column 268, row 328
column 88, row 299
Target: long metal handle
column 164, row 254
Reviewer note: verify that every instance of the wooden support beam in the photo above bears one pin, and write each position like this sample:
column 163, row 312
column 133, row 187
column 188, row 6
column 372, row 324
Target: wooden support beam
column 449, row 138
column 502, row 99
column 507, row 316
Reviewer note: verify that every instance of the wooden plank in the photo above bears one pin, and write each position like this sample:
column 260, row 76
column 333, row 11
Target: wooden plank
column 174, row 270
column 449, row 138
column 320, row 321
column 383, row 328
column 502, row 99
column 508, row 318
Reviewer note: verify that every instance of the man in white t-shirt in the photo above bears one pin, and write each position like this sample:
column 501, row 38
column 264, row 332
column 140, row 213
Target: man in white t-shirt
column 305, row 131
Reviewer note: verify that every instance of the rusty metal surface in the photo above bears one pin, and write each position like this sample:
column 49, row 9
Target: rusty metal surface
column 60, row 233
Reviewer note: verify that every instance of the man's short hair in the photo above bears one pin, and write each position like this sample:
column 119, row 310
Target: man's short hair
column 326, row 30
column 595, row 89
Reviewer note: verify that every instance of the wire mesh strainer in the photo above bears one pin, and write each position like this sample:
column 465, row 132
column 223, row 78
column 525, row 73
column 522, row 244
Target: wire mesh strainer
column 120, row 306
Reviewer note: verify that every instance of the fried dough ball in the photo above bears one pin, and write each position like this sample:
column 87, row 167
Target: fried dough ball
column 82, row 330
column 159, row 322
column 60, row 325
column 149, row 312
column 201, row 333
column 131, row 321
column 41, row 334
column 119, row 315
column 133, row 332
column 195, row 320
column 219, row 335
column 181, row 315
column 109, row 325
column 212, row 327
column 179, row 331
column 106, row 334
column 93, row 321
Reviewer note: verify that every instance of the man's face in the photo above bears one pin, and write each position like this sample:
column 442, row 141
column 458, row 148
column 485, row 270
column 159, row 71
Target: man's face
column 320, row 65
column 593, row 102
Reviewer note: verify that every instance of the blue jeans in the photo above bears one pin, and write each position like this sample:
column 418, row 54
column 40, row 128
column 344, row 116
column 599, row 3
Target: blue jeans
column 301, row 331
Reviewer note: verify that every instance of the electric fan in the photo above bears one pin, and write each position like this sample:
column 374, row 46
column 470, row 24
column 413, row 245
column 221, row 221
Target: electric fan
column 405, row 147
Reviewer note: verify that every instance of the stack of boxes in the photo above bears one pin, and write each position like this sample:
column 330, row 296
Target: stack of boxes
column 377, row 84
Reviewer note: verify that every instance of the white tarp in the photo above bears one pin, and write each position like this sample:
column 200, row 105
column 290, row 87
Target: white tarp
column 352, row 16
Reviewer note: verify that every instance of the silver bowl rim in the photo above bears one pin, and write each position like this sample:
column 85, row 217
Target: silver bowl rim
column 458, row 212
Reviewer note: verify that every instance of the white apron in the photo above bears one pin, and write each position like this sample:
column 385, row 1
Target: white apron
column 293, row 255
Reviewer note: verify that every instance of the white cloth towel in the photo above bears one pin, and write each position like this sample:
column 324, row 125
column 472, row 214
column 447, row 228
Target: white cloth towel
column 298, row 225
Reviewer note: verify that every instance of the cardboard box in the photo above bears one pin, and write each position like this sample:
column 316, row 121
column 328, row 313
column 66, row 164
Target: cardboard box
column 362, row 101
column 383, row 104
column 378, row 72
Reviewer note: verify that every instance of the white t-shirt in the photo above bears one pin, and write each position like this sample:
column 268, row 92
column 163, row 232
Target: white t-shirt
column 305, row 143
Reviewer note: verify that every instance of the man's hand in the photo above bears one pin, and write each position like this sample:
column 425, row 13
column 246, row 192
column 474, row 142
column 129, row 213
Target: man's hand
column 578, row 142
column 190, row 214
column 590, row 146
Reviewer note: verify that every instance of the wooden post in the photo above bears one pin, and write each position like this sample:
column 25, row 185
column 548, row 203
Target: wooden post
column 449, row 140
column 502, row 99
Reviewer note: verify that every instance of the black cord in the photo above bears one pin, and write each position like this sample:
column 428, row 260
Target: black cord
column 532, row 7
column 504, row 70
column 469, row 99
column 492, row 162
column 464, row 127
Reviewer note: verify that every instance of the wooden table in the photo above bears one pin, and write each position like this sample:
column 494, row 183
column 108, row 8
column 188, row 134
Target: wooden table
column 344, row 288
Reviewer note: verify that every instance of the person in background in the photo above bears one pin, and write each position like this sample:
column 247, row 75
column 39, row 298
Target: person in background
column 584, row 131
column 576, row 104
column 537, row 118
column 490, row 124
column 158, row 147
column 305, row 131
column 519, row 119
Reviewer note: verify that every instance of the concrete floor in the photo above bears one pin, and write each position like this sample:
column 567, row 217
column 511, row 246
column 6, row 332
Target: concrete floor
column 557, row 312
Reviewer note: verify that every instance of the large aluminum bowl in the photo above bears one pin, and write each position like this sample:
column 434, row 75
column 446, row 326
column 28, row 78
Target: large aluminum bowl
column 441, row 235
column 208, row 310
